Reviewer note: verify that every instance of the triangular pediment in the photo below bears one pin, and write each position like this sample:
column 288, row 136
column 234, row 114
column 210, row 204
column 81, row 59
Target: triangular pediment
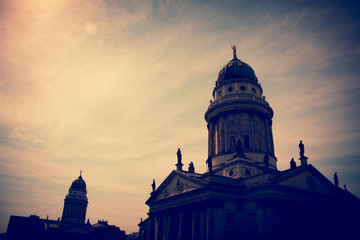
column 177, row 183
column 307, row 180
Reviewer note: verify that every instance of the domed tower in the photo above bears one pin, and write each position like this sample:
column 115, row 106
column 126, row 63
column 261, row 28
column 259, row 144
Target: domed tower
column 240, row 120
column 75, row 203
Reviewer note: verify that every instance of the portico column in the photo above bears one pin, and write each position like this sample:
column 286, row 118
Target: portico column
column 150, row 235
column 195, row 225
column 210, row 224
column 202, row 222
column 181, row 226
column 165, row 226
column 158, row 228
column 169, row 227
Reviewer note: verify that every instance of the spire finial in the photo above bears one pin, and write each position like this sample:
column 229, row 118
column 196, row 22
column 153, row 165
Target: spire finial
column 233, row 47
column 80, row 172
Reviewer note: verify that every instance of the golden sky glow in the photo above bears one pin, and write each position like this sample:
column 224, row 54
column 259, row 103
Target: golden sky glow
column 114, row 88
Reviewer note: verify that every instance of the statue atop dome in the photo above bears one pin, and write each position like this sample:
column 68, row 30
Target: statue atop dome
column 233, row 47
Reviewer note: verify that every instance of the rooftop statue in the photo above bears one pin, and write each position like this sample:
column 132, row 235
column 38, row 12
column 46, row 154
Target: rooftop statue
column 153, row 185
column 292, row 164
column 209, row 163
column 179, row 155
column 336, row 180
column 191, row 167
column 266, row 160
column 302, row 149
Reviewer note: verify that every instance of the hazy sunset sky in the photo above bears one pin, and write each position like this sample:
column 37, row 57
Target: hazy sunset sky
column 114, row 88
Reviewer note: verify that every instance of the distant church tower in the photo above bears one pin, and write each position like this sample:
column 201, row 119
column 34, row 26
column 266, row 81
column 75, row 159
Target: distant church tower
column 239, row 118
column 75, row 203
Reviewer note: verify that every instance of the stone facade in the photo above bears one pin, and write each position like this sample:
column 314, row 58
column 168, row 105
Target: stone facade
column 265, row 206
column 243, row 195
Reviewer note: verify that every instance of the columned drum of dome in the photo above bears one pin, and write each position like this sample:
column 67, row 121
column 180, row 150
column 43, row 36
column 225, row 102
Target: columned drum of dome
column 75, row 203
column 239, row 113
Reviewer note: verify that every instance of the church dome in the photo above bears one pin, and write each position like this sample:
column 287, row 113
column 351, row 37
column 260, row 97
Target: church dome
column 79, row 184
column 236, row 69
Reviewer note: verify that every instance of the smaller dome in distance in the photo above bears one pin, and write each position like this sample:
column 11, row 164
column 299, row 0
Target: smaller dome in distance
column 79, row 184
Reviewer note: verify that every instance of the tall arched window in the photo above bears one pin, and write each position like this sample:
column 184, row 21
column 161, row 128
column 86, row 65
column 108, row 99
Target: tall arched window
column 216, row 141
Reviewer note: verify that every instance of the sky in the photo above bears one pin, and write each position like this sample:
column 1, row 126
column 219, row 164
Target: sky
column 114, row 88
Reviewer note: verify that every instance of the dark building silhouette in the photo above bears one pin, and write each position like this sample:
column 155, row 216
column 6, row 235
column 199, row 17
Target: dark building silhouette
column 243, row 195
column 71, row 226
